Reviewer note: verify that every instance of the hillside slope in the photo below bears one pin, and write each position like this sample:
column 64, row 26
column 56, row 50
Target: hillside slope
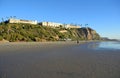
column 27, row 32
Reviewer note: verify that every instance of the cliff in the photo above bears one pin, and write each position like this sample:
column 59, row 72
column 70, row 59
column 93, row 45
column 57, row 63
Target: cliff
column 88, row 34
column 28, row 32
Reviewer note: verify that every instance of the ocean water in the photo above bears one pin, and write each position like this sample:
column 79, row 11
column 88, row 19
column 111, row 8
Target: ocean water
column 114, row 45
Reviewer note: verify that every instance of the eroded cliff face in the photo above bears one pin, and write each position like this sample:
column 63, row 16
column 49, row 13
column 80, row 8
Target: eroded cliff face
column 87, row 33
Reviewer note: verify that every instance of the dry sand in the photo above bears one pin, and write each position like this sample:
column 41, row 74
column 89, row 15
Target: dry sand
column 57, row 60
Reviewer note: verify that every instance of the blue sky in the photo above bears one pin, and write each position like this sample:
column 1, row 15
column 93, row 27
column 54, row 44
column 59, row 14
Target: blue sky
column 101, row 15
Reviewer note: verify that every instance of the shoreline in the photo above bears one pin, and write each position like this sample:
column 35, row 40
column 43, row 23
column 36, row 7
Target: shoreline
column 57, row 60
column 53, row 41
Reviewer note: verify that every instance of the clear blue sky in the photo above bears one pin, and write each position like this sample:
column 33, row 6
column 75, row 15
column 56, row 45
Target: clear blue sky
column 101, row 15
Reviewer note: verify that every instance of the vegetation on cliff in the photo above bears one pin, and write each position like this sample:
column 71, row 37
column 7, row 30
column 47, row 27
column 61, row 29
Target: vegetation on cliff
column 28, row 32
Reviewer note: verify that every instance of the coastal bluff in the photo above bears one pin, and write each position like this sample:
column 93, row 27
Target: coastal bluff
column 28, row 32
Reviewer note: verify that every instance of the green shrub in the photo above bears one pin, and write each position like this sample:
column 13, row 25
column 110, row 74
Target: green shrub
column 1, row 38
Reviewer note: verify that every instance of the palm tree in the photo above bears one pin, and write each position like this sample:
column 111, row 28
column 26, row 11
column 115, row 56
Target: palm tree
column 2, row 19
column 86, row 25
column 14, row 16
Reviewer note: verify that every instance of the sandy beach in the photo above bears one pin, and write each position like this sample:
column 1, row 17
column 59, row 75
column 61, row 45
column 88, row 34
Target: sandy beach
column 58, row 60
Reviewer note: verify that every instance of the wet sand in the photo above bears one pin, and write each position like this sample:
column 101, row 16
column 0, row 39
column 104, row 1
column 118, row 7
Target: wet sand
column 58, row 60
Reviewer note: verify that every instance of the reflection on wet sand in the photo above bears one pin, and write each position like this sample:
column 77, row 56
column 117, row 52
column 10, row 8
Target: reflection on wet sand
column 58, row 60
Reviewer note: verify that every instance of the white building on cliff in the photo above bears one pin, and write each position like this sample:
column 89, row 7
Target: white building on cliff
column 12, row 20
column 51, row 24
column 71, row 26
